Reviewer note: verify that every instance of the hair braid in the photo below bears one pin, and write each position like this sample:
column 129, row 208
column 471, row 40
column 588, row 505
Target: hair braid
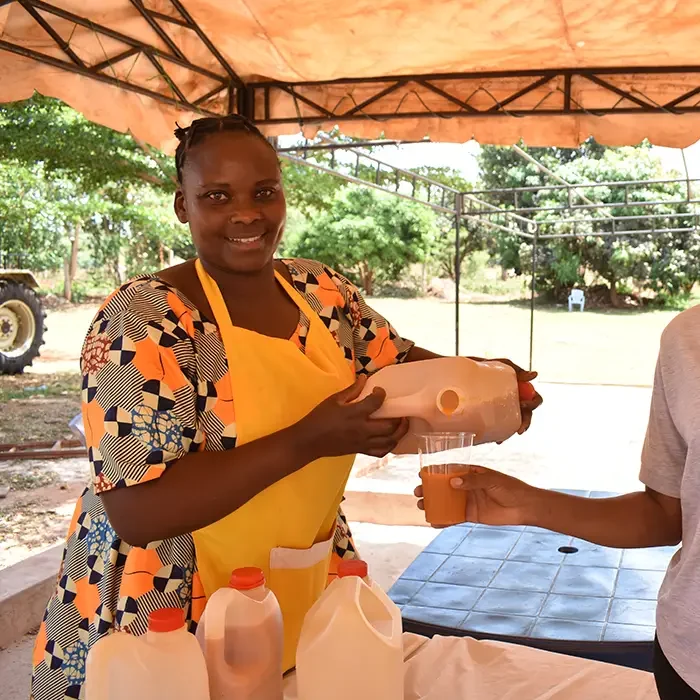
column 199, row 129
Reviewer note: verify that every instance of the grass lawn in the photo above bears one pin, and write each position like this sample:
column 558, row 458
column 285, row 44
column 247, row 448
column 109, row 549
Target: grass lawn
column 594, row 347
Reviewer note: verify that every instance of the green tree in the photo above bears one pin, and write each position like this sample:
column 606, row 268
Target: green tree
column 473, row 235
column 71, row 185
column 667, row 263
column 132, row 232
column 47, row 131
column 369, row 236
column 309, row 190
column 502, row 168
column 33, row 218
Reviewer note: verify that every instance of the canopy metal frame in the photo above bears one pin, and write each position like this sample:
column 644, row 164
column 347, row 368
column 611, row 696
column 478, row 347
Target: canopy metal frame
column 578, row 217
column 463, row 92
column 365, row 169
column 48, row 17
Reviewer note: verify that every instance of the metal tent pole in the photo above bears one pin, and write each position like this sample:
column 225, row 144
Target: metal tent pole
column 458, row 266
column 532, row 292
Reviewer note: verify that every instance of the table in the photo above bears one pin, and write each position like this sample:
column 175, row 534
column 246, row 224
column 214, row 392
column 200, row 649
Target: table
column 449, row 668
column 535, row 587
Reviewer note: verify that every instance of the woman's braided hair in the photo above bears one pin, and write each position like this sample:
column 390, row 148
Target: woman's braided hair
column 199, row 129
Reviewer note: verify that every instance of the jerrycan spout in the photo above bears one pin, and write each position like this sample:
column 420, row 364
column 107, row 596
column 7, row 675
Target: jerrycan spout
column 450, row 401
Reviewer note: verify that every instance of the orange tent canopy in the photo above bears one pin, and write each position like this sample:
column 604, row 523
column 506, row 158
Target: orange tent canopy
column 552, row 72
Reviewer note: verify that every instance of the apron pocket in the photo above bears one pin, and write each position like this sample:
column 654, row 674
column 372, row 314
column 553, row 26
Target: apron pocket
column 298, row 577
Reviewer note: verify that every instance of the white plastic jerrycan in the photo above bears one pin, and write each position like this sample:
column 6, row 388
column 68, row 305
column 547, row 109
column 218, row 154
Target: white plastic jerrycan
column 451, row 394
column 241, row 635
column 354, row 625
column 164, row 664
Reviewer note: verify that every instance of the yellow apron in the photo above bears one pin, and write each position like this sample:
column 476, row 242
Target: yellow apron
column 286, row 530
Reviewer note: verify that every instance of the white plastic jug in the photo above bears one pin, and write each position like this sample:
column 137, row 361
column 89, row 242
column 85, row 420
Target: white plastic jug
column 241, row 635
column 351, row 646
column 451, row 394
column 164, row 664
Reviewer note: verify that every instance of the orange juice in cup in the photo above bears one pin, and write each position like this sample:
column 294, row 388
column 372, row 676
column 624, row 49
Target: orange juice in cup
column 443, row 457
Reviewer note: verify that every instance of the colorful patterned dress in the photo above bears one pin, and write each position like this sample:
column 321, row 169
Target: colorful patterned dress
column 155, row 387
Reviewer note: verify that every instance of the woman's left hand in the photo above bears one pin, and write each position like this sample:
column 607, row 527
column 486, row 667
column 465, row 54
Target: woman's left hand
column 527, row 406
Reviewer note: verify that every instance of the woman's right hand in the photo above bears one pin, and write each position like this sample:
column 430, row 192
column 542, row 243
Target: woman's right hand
column 340, row 425
column 494, row 498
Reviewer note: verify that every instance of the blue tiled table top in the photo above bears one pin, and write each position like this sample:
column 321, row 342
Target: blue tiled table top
column 530, row 582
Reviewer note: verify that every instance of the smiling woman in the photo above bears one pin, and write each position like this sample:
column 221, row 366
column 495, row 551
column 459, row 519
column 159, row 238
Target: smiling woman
column 231, row 207
column 232, row 350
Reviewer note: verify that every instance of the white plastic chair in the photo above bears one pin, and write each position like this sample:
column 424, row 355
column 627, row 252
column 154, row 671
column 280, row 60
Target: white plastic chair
column 577, row 297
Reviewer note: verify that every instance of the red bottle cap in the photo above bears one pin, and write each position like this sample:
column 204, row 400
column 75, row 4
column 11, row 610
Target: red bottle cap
column 352, row 567
column 166, row 620
column 526, row 391
column 247, row 579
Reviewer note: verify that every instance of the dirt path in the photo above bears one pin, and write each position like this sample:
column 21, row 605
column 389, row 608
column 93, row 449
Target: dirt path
column 36, row 513
column 38, row 406
column 65, row 332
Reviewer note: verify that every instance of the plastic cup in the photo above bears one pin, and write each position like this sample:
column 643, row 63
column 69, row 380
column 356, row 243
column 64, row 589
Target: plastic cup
column 444, row 456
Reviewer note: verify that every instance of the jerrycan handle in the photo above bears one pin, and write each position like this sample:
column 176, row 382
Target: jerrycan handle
column 215, row 617
column 407, row 406
column 244, row 579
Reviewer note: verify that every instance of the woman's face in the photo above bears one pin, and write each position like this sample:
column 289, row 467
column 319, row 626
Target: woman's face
column 231, row 196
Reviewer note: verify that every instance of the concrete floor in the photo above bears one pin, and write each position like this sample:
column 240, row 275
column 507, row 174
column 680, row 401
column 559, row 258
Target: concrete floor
column 15, row 669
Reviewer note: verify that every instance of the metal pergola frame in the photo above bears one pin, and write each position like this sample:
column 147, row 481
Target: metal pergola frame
column 413, row 187
column 255, row 100
column 599, row 217
column 473, row 206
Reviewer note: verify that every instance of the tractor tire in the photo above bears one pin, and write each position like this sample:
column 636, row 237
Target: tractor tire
column 21, row 327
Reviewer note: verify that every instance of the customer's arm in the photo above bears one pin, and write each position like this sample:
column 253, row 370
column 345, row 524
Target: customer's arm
column 641, row 519
column 652, row 517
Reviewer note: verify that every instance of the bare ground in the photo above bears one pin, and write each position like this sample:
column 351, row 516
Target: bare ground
column 36, row 512
column 37, row 406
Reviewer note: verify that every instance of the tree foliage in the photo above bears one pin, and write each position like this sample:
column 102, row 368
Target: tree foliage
column 34, row 216
column 308, row 190
column 472, row 233
column 61, row 174
column 367, row 235
column 63, row 177
column 666, row 264
column 45, row 130
column 663, row 263
column 501, row 167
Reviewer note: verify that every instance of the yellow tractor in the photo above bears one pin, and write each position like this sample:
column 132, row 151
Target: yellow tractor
column 21, row 320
